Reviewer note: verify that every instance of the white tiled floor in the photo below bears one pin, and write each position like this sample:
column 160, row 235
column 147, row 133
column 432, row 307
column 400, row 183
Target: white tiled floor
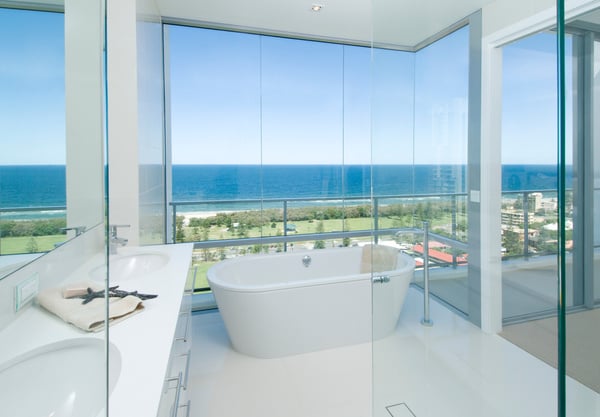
column 450, row 369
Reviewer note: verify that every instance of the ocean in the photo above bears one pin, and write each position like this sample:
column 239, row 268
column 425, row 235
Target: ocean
column 44, row 185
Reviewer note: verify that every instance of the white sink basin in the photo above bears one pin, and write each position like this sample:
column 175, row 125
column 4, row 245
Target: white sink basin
column 131, row 266
column 60, row 380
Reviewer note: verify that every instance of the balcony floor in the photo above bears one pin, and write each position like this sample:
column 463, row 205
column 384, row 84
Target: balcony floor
column 450, row 369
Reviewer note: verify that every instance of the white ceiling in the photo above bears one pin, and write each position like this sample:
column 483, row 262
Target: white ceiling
column 398, row 23
column 592, row 17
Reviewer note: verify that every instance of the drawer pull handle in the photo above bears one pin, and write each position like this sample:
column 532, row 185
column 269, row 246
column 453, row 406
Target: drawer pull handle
column 187, row 326
column 177, row 396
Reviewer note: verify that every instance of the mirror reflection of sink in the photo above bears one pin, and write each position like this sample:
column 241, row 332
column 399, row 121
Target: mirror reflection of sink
column 61, row 379
column 131, row 266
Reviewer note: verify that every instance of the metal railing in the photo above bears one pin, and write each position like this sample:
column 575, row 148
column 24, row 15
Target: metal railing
column 284, row 204
column 525, row 212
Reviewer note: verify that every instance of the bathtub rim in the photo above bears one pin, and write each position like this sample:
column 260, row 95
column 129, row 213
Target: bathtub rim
column 407, row 263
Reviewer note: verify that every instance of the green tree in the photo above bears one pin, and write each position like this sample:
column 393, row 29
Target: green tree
column 511, row 243
column 320, row 244
column 179, row 232
column 32, row 246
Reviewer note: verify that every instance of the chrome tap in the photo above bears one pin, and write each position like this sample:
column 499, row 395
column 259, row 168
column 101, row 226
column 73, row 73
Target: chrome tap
column 115, row 241
column 78, row 229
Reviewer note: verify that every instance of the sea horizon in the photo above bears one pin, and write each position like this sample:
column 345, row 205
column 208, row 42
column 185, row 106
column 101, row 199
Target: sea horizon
column 44, row 185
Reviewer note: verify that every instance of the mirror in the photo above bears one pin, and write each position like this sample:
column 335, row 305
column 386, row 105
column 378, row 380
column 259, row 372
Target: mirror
column 51, row 110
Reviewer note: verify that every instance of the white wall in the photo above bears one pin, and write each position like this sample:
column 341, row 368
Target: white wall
column 150, row 124
column 504, row 13
column 84, row 106
column 122, row 118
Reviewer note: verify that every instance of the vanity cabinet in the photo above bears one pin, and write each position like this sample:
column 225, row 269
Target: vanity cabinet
column 175, row 401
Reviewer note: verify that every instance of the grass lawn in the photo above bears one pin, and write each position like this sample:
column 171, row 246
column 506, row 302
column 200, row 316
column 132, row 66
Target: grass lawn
column 276, row 229
column 311, row 226
column 201, row 268
column 16, row 245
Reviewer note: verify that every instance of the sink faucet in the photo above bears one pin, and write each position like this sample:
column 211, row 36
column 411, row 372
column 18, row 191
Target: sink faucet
column 78, row 229
column 115, row 241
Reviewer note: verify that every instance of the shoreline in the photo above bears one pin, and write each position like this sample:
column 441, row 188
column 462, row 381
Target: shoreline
column 187, row 215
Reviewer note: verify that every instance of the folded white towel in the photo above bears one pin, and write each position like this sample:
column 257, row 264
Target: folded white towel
column 378, row 258
column 89, row 317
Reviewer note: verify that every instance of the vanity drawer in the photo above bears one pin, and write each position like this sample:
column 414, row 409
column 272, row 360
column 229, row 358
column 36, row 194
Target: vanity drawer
column 174, row 401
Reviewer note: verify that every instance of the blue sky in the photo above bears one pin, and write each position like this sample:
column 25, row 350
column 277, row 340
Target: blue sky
column 249, row 99
column 32, row 85
column 241, row 98
column 529, row 91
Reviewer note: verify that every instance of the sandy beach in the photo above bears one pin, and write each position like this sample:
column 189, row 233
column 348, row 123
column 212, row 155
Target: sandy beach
column 187, row 215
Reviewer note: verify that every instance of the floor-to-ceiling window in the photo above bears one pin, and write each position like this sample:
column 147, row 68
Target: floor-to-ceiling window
column 274, row 137
column 270, row 137
column 440, row 159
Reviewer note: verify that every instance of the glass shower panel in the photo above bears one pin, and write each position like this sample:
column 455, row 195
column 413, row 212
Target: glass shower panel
column 596, row 170
column 392, row 158
column 582, row 357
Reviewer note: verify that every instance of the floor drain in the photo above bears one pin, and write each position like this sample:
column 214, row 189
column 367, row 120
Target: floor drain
column 400, row 410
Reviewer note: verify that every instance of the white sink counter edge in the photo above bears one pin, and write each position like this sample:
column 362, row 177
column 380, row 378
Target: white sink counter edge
column 143, row 340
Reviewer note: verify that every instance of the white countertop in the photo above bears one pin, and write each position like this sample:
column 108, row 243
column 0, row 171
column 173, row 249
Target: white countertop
column 143, row 340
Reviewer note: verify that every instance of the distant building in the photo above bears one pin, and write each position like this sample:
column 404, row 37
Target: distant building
column 534, row 202
column 513, row 217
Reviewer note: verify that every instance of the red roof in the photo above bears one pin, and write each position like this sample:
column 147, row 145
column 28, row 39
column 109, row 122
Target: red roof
column 440, row 256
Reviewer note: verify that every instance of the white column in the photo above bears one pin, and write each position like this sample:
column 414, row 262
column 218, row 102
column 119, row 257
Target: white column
column 491, row 186
column 84, row 106
column 123, row 155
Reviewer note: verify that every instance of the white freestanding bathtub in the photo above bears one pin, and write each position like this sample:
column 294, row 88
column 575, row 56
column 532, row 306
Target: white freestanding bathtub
column 296, row 302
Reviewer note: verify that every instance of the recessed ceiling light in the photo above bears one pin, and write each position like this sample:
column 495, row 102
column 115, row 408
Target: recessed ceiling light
column 316, row 7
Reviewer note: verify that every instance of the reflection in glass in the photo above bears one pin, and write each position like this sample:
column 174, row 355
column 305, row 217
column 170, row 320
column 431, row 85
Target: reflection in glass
column 529, row 177
column 32, row 116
